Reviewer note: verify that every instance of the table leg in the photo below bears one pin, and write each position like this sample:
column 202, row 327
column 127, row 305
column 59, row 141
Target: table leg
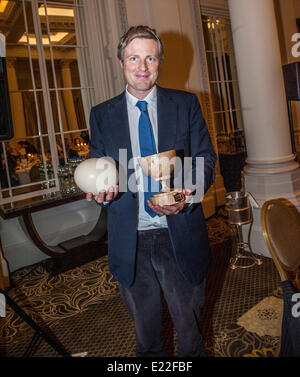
column 4, row 270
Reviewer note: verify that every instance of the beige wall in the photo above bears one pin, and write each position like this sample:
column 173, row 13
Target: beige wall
column 172, row 20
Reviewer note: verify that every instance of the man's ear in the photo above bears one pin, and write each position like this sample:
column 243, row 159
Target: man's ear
column 121, row 64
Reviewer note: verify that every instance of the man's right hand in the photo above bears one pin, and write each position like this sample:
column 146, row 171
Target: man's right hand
column 104, row 196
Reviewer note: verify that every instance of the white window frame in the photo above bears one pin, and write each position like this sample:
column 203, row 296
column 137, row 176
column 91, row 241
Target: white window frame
column 222, row 81
column 87, row 97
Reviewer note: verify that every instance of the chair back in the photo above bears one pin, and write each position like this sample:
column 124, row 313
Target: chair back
column 280, row 221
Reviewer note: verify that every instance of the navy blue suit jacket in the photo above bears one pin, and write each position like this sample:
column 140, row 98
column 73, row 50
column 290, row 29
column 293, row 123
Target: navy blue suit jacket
column 181, row 126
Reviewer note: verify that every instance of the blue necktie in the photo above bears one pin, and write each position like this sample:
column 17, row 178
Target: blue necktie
column 147, row 147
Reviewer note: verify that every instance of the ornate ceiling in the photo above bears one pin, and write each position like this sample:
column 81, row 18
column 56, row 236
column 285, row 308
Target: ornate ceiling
column 60, row 21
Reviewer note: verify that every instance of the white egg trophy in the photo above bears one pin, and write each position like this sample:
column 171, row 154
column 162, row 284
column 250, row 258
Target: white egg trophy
column 96, row 174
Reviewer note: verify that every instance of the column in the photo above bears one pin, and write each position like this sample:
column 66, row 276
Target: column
column 271, row 170
column 67, row 95
column 16, row 100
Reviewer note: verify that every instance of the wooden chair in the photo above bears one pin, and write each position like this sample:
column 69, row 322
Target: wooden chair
column 280, row 221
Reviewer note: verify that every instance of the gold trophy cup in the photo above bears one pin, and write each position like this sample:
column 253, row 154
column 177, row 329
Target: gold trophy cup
column 160, row 167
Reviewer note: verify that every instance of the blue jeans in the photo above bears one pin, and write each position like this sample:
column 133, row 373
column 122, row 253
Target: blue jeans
column 156, row 270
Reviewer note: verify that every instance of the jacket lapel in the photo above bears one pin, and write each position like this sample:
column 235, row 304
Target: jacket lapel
column 120, row 139
column 167, row 119
column 119, row 125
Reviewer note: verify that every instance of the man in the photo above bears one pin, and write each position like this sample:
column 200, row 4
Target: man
column 154, row 248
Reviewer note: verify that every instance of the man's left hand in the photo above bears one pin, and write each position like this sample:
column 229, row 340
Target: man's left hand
column 173, row 209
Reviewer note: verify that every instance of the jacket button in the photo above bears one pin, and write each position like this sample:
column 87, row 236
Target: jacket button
column 134, row 196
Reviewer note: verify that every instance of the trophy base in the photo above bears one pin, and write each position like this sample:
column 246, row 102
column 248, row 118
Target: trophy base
column 167, row 198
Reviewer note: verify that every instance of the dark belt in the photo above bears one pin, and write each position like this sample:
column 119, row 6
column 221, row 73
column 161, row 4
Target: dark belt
column 156, row 232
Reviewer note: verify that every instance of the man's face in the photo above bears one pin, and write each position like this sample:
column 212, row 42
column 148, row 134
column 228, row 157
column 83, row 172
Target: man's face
column 140, row 66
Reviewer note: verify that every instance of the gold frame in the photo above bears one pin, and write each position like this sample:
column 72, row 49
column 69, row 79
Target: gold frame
column 281, row 267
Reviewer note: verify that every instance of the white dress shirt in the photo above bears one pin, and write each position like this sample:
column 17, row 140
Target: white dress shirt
column 145, row 221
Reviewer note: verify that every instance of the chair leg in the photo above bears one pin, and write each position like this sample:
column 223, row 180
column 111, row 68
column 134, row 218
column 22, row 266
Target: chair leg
column 40, row 332
column 33, row 345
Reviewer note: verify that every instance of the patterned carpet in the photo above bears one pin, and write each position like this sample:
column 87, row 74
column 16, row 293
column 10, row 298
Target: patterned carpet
column 83, row 310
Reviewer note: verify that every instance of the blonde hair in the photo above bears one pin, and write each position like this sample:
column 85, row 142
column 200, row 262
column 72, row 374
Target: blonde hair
column 139, row 31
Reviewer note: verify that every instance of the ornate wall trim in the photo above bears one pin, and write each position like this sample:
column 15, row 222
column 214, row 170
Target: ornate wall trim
column 122, row 15
column 217, row 8
column 204, row 78
column 217, row 190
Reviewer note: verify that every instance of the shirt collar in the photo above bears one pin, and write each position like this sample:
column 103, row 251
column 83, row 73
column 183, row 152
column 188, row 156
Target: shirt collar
column 150, row 98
